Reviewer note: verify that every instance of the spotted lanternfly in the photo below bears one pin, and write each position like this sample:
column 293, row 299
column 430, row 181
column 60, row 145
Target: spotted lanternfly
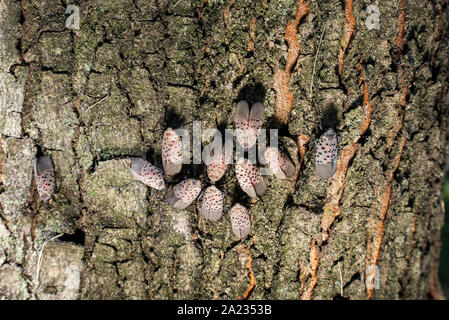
column 240, row 221
column 212, row 205
column 247, row 123
column 217, row 167
column 171, row 152
column 145, row 172
column 279, row 163
column 250, row 179
column 183, row 194
column 44, row 173
column 326, row 154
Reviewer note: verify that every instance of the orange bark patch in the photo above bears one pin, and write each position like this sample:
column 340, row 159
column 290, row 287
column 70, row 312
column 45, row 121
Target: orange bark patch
column 252, row 35
column 252, row 284
column 311, row 271
column 284, row 98
column 367, row 107
column 302, row 141
column 290, row 36
column 401, row 24
column 376, row 223
column 332, row 205
column 348, row 29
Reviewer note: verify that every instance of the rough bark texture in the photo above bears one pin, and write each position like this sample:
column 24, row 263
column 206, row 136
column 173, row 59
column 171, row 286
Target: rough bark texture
column 92, row 97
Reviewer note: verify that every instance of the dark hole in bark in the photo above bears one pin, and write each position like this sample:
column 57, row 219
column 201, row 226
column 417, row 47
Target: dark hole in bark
column 78, row 237
column 330, row 116
column 173, row 119
column 252, row 92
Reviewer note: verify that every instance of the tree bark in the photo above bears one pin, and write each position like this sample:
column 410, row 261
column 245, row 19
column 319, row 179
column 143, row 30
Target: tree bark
column 93, row 97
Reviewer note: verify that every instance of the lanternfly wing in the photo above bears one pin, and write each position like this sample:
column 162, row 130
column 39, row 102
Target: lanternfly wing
column 171, row 152
column 184, row 193
column 244, row 180
column 256, row 178
column 240, row 221
column 286, row 164
column 212, row 205
column 242, row 122
column 44, row 172
column 217, row 168
column 145, row 172
column 256, row 116
column 250, row 179
column 247, row 123
column 255, row 123
column 326, row 154
column 279, row 163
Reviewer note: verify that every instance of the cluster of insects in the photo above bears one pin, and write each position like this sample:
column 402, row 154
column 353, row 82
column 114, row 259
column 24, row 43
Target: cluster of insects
column 247, row 122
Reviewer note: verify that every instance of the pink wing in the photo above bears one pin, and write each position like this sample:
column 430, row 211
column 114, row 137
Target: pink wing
column 171, row 152
column 184, row 193
column 249, row 178
column 212, row 205
column 240, row 221
column 44, row 172
column 146, row 173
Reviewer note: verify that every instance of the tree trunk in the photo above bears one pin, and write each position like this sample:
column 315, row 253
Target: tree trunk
column 94, row 96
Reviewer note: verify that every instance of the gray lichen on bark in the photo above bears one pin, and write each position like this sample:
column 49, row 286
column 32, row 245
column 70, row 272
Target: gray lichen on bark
column 93, row 97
